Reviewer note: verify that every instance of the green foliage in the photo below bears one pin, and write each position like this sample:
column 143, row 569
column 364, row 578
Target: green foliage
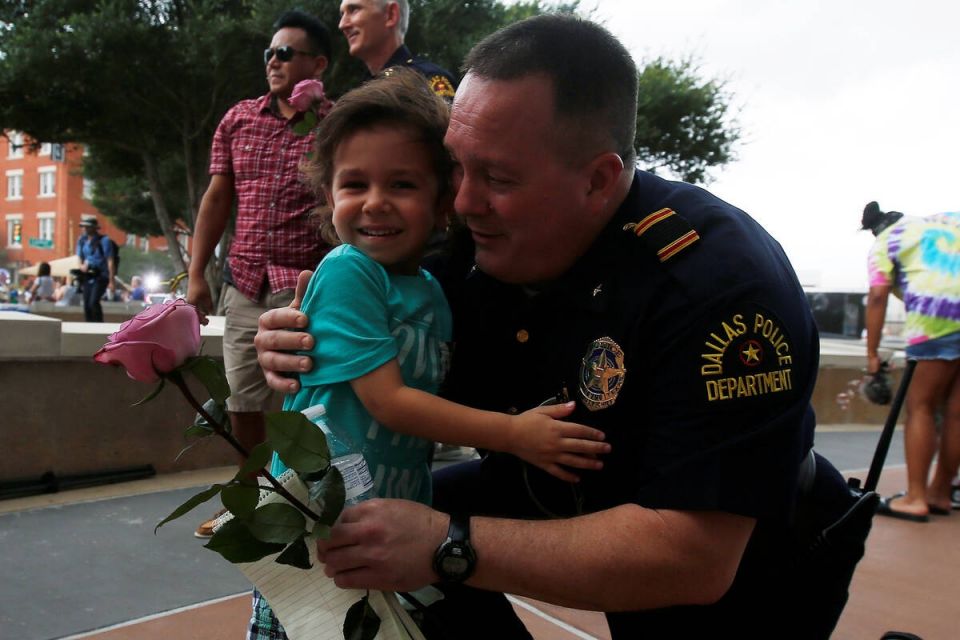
column 236, row 543
column 299, row 443
column 276, row 522
column 210, row 373
column 187, row 506
column 296, row 555
column 332, row 494
column 258, row 459
column 683, row 121
column 153, row 394
column 241, row 500
column 361, row 622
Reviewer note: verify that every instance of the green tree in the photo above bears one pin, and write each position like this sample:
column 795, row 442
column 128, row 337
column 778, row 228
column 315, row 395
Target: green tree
column 149, row 79
column 144, row 83
column 684, row 123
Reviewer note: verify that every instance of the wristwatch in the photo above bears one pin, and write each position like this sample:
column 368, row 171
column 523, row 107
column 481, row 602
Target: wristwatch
column 455, row 559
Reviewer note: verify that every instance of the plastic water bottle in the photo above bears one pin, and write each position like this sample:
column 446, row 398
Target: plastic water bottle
column 357, row 480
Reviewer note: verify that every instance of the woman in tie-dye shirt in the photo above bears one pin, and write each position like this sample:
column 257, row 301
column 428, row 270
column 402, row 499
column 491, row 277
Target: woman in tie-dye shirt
column 918, row 260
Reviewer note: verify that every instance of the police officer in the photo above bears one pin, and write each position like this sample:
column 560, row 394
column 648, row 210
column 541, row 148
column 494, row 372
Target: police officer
column 675, row 323
column 375, row 30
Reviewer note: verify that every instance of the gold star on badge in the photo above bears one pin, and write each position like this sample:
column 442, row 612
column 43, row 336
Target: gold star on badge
column 751, row 353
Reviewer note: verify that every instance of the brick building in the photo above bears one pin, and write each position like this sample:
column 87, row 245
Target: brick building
column 43, row 197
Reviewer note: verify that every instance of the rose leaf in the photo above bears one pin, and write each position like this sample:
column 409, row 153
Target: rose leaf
column 240, row 500
column 236, row 543
column 187, row 506
column 210, row 373
column 296, row 555
column 299, row 443
column 361, row 621
column 331, row 494
column 256, row 461
column 153, row 394
column 277, row 522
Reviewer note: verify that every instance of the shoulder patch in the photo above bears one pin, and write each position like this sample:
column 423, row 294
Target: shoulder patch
column 746, row 355
column 664, row 232
column 441, row 86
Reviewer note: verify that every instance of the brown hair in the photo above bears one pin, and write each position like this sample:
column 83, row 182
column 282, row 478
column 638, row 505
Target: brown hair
column 594, row 79
column 399, row 97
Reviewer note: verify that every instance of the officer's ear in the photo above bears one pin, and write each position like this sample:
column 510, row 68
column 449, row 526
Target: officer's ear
column 392, row 9
column 443, row 216
column 603, row 176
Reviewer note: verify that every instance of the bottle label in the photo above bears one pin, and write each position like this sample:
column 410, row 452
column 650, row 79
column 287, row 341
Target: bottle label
column 356, row 475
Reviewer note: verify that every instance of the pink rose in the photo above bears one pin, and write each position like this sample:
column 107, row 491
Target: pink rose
column 306, row 93
column 155, row 341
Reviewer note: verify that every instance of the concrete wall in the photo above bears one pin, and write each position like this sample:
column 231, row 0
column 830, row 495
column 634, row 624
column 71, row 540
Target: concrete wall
column 61, row 412
column 66, row 414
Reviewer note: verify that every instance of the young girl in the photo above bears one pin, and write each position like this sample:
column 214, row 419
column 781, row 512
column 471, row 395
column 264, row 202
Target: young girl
column 380, row 321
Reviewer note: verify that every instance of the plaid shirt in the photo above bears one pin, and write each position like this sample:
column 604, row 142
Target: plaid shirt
column 274, row 240
column 263, row 624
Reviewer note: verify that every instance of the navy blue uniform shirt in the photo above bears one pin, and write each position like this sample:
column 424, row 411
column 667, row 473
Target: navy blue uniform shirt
column 440, row 80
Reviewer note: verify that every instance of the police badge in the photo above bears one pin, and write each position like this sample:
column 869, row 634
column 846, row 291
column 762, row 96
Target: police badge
column 601, row 374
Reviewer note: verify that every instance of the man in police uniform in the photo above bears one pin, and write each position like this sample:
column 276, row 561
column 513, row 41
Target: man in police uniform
column 679, row 328
column 375, row 30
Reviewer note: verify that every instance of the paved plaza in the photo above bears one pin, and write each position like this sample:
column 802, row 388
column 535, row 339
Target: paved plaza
column 86, row 564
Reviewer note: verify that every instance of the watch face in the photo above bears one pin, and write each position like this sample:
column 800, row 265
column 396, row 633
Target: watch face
column 454, row 565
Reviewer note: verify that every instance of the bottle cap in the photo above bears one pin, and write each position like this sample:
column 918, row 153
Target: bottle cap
column 314, row 412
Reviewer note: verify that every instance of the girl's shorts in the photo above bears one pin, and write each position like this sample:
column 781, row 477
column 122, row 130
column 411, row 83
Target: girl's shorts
column 943, row 348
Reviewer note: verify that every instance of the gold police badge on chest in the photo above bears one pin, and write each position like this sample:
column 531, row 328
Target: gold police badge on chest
column 601, row 374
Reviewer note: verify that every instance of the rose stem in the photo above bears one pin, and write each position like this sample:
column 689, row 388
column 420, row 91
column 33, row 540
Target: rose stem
column 220, row 431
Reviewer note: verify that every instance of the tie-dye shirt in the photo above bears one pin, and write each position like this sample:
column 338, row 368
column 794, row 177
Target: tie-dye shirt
column 920, row 258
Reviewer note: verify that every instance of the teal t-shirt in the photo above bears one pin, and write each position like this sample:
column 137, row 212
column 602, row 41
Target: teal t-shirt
column 362, row 317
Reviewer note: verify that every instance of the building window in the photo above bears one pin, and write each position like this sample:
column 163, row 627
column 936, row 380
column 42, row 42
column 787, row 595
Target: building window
column 15, row 149
column 48, row 181
column 131, row 240
column 87, row 189
column 15, row 231
column 145, row 243
column 45, row 225
column 15, row 184
column 44, row 149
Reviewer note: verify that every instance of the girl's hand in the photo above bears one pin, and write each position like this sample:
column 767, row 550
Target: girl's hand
column 539, row 437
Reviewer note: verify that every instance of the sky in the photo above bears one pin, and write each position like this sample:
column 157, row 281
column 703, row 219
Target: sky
column 839, row 102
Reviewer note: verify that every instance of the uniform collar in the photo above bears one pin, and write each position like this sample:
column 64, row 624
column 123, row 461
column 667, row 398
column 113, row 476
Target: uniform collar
column 402, row 55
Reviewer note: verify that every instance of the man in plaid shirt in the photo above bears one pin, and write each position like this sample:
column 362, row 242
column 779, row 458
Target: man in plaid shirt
column 254, row 161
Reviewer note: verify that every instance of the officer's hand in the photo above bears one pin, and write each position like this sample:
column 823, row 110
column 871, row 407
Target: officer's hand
column 277, row 335
column 539, row 437
column 384, row 544
column 198, row 294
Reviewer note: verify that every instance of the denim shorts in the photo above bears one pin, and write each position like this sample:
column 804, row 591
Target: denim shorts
column 943, row 348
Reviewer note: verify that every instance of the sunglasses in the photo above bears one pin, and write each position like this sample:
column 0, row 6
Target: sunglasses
column 284, row 53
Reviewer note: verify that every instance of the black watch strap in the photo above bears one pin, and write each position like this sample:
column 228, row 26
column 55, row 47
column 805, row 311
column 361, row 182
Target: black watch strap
column 459, row 529
column 455, row 559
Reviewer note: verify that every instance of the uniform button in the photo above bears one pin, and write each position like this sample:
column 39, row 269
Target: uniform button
column 522, row 336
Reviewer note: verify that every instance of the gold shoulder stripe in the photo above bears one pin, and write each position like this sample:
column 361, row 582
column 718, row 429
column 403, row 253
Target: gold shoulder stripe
column 641, row 227
column 664, row 232
column 678, row 245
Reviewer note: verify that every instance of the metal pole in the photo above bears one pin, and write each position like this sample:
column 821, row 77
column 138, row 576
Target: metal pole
column 880, row 455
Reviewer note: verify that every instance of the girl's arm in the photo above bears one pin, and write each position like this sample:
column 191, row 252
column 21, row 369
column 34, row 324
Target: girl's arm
column 537, row 436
